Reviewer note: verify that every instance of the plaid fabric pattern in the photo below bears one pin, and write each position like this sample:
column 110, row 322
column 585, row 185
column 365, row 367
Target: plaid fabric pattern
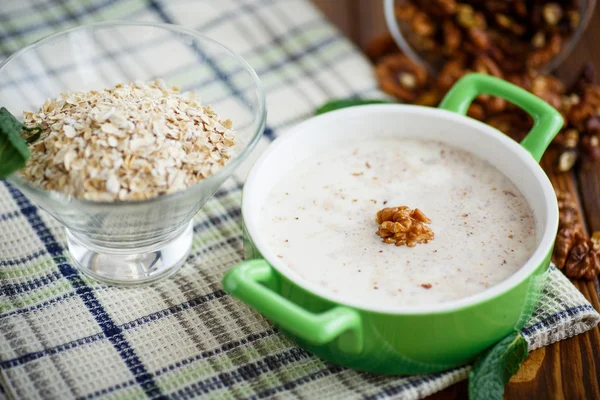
column 65, row 336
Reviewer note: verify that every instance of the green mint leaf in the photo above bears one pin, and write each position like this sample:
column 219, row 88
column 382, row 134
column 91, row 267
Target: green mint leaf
column 337, row 104
column 13, row 148
column 493, row 369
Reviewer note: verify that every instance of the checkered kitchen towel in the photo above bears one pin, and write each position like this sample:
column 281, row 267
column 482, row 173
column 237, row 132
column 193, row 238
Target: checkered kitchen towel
column 65, row 336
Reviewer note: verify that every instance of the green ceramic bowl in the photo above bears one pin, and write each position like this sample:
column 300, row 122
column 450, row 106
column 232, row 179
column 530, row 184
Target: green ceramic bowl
column 392, row 339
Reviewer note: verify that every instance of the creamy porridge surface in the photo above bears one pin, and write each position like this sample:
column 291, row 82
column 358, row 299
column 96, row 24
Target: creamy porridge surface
column 320, row 221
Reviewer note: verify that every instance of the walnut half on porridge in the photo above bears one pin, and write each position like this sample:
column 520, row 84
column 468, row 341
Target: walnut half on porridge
column 403, row 226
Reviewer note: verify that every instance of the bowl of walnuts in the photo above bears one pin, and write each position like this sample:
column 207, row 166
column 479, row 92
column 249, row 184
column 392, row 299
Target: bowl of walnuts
column 514, row 35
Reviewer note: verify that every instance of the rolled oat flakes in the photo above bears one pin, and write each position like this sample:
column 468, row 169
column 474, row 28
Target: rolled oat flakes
column 134, row 141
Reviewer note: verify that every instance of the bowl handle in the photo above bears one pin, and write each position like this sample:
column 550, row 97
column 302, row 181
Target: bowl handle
column 546, row 120
column 248, row 282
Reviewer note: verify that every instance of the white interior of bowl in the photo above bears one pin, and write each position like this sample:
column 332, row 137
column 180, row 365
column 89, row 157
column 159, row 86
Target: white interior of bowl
column 402, row 121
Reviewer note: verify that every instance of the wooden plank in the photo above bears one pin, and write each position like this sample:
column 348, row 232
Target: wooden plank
column 359, row 20
column 371, row 20
column 343, row 15
column 589, row 184
column 568, row 369
column 584, row 51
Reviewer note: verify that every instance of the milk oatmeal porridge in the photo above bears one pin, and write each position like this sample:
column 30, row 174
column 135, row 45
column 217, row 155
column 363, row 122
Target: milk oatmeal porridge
column 320, row 221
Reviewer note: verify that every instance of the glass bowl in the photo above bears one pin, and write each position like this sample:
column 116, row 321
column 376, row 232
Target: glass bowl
column 402, row 34
column 133, row 242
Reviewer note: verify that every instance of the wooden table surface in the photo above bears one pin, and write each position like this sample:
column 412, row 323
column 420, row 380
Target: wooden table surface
column 569, row 369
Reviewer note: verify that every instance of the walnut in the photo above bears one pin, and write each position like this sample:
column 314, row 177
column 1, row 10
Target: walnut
column 585, row 77
column 422, row 25
column 568, row 101
column 574, row 19
column 566, row 160
column 579, row 140
column 493, row 105
column 584, row 258
column 479, row 38
column 510, row 24
column 592, row 125
column 565, row 238
column 485, row 65
column 381, row 46
column 523, row 80
column 509, row 63
column 476, row 111
column 520, row 8
column 552, row 13
column 451, row 72
column 576, row 255
column 535, row 16
column 425, row 44
column 452, row 36
column 401, row 77
column 568, row 212
column 549, row 89
column 403, row 226
column 405, row 11
column 448, row 7
column 569, row 224
column 437, row 8
column 590, row 146
column 542, row 56
column 429, row 98
column 539, row 40
column 595, row 240
column 588, row 106
column 571, row 138
column 497, row 6
column 467, row 17
column 516, row 125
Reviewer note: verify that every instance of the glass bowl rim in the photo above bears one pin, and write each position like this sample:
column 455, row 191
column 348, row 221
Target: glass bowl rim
column 227, row 169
